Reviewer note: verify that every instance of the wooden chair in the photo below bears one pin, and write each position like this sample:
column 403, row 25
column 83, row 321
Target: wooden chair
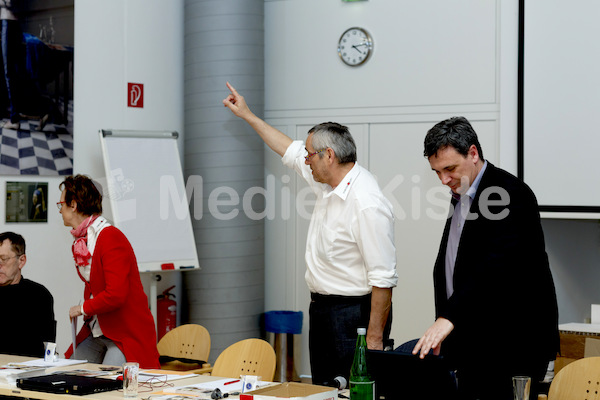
column 246, row 357
column 577, row 381
column 185, row 348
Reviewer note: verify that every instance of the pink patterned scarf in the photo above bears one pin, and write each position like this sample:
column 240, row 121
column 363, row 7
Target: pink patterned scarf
column 81, row 254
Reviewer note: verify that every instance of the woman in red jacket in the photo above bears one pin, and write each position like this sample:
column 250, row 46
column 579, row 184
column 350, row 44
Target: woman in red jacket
column 118, row 324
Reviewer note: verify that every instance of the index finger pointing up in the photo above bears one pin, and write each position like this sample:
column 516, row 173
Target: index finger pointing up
column 233, row 91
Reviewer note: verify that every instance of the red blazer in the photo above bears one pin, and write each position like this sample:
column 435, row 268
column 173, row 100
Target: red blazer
column 119, row 300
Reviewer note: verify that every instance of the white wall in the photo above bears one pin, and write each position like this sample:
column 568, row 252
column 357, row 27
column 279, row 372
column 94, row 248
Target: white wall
column 306, row 84
column 117, row 42
column 573, row 248
column 428, row 56
column 49, row 258
column 432, row 59
column 112, row 48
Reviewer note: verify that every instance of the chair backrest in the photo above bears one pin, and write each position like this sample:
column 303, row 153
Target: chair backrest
column 577, row 381
column 246, row 357
column 186, row 342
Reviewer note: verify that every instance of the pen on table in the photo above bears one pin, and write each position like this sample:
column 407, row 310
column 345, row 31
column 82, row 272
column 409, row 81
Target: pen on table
column 230, row 382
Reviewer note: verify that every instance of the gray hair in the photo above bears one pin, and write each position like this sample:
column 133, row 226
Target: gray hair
column 335, row 136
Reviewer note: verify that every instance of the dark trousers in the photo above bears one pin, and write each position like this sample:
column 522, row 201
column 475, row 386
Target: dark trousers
column 333, row 321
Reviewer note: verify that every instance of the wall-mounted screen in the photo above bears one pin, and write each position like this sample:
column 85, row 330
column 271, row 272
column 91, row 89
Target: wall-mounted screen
column 559, row 102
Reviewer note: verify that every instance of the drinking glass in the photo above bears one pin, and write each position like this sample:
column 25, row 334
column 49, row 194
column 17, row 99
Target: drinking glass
column 131, row 371
column 521, row 386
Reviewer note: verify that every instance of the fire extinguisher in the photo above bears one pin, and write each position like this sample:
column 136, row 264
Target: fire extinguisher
column 166, row 312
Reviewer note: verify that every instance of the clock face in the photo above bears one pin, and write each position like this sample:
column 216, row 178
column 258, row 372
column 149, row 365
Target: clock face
column 355, row 46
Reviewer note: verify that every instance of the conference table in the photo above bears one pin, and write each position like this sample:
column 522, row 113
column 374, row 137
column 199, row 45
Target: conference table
column 154, row 390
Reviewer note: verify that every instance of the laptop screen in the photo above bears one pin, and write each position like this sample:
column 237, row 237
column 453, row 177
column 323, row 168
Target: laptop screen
column 400, row 375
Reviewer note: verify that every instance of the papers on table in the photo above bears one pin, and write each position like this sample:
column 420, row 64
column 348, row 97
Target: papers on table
column 148, row 375
column 61, row 362
column 9, row 373
column 158, row 375
column 226, row 385
column 204, row 389
column 578, row 327
column 88, row 372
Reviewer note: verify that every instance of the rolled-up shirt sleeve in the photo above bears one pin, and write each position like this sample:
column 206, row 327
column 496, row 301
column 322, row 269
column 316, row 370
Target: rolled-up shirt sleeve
column 374, row 232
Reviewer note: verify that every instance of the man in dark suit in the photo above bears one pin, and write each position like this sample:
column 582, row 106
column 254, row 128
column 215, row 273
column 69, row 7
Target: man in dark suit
column 496, row 309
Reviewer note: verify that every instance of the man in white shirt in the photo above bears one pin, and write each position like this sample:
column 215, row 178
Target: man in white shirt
column 350, row 252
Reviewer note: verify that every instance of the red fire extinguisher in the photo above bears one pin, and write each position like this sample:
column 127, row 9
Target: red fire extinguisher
column 166, row 312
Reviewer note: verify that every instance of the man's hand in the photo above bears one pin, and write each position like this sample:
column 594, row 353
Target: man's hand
column 433, row 337
column 374, row 342
column 275, row 139
column 236, row 103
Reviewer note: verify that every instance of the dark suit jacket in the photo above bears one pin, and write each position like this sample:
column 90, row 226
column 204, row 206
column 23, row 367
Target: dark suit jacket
column 504, row 303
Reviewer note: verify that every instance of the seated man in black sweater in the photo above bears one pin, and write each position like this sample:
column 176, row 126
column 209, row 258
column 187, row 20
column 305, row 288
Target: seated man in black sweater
column 27, row 311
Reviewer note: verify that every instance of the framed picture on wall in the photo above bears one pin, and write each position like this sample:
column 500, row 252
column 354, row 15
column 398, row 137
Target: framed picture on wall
column 26, row 202
column 36, row 87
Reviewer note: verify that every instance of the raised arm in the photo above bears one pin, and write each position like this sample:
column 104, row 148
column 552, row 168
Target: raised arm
column 274, row 138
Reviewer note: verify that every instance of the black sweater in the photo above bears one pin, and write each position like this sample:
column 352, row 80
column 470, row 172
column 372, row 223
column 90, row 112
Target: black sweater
column 27, row 315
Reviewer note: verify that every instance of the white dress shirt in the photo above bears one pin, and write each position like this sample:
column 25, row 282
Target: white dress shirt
column 350, row 243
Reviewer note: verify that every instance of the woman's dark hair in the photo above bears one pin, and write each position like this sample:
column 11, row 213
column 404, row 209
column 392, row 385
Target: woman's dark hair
column 83, row 191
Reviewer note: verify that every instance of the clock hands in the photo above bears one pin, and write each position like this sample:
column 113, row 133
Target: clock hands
column 355, row 47
column 358, row 39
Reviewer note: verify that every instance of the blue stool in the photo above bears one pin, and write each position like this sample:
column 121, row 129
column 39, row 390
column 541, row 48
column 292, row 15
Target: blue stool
column 281, row 327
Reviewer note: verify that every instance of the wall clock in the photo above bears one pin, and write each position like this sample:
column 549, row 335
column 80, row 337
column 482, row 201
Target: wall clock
column 355, row 46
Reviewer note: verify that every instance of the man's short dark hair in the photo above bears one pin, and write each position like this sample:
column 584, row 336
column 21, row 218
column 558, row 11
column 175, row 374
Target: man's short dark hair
column 456, row 132
column 17, row 241
column 85, row 192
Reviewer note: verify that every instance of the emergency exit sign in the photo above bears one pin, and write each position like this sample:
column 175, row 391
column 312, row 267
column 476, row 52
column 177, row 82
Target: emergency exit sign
column 135, row 95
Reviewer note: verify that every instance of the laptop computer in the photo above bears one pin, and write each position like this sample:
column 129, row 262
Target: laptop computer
column 68, row 384
column 399, row 375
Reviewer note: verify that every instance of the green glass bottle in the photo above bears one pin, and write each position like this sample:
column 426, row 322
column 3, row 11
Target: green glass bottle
column 362, row 387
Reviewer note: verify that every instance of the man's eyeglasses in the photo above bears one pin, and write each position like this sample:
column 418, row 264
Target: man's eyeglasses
column 4, row 261
column 59, row 204
column 307, row 158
